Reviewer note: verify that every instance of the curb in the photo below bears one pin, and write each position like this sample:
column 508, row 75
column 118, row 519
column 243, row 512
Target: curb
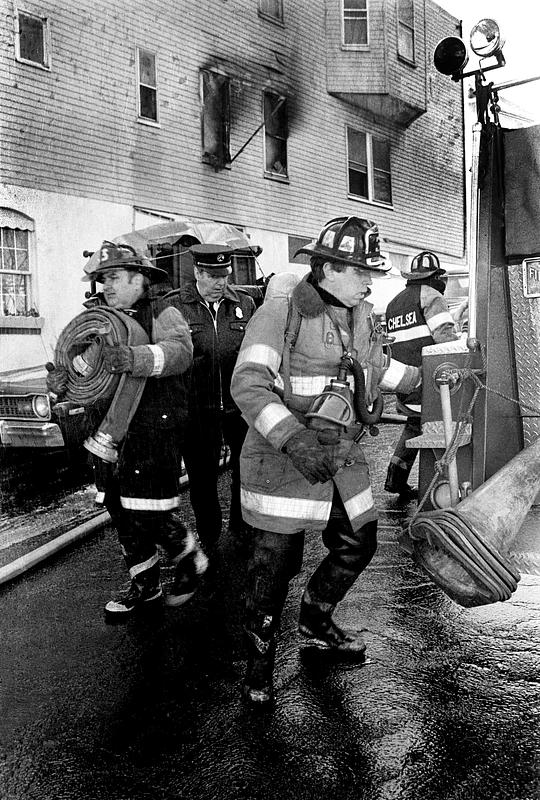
column 12, row 570
column 29, row 560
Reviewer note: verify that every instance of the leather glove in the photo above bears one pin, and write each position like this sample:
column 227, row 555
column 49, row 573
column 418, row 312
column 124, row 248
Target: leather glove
column 57, row 379
column 310, row 457
column 117, row 358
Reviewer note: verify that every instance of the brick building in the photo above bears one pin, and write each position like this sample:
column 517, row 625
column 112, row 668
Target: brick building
column 271, row 115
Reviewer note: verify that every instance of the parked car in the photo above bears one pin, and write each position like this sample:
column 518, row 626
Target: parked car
column 26, row 417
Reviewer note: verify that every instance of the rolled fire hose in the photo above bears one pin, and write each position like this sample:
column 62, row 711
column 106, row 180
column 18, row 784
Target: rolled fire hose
column 493, row 576
column 79, row 352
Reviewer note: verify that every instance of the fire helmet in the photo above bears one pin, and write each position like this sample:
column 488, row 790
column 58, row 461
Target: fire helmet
column 349, row 240
column 424, row 265
column 121, row 256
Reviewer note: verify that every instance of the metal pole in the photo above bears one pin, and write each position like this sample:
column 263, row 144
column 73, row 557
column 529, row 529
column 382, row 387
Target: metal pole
column 473, row 228
column 448, row 423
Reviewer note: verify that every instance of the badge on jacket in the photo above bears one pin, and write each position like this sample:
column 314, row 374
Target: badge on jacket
column 239, row 313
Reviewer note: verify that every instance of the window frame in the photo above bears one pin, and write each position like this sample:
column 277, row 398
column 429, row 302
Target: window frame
column 354, row 45
column 370, row 168
column 278, row 20
column 46, row 39
column 207, row 157
column 155, row 123
column 401, row 25
column 13, row 220
column 268, row 173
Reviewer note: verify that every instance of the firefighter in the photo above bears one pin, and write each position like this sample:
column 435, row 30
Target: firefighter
column 141, row 491
column 217, row 313
column 418, row 316
column 292, row 477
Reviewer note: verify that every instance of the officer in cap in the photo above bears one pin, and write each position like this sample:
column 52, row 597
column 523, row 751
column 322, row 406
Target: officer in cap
column 296, row 477
column 141, row 491
column 418, row 316
column 217, row 313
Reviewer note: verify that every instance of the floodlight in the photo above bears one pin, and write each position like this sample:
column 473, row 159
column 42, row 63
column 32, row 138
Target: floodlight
column 486, row 39
column 450, row 56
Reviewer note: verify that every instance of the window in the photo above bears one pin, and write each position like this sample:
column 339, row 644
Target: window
column 369, row 167
column 275, row 134
column 32, row 40
column 406, row 29
column 215, row 122
column 295, row 243
column 244, row 269
column 15, row 276
column 355, row 22
column 146, row 63
column 272, row 9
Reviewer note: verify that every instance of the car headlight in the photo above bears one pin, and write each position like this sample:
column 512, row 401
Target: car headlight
column 41, row 407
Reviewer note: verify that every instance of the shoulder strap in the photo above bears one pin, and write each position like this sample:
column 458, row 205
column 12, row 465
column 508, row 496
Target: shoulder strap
column 292, row 329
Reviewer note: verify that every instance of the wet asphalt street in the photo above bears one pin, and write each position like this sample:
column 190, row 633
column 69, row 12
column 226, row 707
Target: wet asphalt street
column 447, row 706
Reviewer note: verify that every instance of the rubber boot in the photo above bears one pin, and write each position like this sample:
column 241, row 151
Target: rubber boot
column 144, row 593
column 396, row 483
column 319, row 629
column 258, row 686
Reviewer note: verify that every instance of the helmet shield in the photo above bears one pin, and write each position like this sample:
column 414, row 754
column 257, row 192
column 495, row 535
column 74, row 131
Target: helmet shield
column 122, row 256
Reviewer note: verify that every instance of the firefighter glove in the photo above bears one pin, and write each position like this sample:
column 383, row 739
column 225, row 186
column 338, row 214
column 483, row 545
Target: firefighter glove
column 310, row 457
column 57, row 379
column 117, row 358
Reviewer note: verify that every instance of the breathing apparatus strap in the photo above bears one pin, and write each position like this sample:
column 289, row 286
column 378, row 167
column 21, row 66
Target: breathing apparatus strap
column 292, row 328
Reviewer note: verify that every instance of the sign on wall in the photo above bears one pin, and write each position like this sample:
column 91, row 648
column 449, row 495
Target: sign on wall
column 531, row 277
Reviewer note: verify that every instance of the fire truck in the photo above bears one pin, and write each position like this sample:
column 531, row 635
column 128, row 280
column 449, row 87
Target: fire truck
column 478, row 521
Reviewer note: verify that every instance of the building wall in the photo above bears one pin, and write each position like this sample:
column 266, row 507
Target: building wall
column 70, row 138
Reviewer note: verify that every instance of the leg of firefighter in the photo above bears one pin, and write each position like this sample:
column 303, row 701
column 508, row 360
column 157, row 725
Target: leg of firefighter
column 183, row 550
column 276, row 558
column 349, row 554
column 136, row 533
column 402, row 461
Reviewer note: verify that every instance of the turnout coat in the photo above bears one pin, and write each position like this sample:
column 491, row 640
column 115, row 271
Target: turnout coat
column 149, row 464
column 417, row 317
column 275, row 496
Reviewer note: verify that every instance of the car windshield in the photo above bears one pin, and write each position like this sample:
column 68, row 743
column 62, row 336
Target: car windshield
column 457, row 286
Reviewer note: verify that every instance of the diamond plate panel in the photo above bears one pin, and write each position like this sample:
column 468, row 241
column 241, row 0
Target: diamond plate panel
column 526, row 329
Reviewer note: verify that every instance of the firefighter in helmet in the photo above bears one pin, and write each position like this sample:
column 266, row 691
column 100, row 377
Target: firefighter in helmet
column 418, row 316
column 296, row 475
column 141, row 491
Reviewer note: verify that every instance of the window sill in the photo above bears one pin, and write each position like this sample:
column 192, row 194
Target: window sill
column 150, row 122
column 355, row 47
column 274, row 20
column 410, row 62
column 20, row 323
column 273, row 176
column 378, row 203
column 45, row 67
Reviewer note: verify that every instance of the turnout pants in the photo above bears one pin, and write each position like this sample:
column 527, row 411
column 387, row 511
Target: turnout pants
column 276, row 558
column 403, row 458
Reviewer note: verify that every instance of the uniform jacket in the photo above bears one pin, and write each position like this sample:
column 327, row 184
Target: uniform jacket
column 275, row 496
column 216, row 343
column 417, row 317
